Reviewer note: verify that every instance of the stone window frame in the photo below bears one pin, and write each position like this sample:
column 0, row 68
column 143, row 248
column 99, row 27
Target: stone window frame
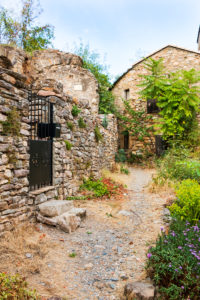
column 127, row 94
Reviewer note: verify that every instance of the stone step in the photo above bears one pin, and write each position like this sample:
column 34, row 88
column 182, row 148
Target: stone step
column 68, row 221
column 54, row 208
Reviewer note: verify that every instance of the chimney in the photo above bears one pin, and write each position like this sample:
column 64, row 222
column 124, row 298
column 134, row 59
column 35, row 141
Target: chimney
column 198, row 39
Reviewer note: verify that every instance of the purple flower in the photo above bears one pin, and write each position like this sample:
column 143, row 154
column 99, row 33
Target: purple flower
column 149, row 255
column 182, row 287
column 179, row 247
column 180, row 268
column 170, row 265
column 162, row 228
column 173, row 233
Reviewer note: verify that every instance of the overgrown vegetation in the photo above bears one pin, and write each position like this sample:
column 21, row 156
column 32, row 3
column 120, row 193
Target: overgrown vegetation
column 68, row 145
column 70, row 125
column 98, row 135
column 14, row 287
column 99, row 188
column 177, row 96
column 124, row 170
column 120, row 156
column 174, row 263
column 22, row 31
column 105, row 122
column 91, row 61
column 187, row 204
column 75, row 110
column 81, row 123
column 136, row 123
column 12, row 125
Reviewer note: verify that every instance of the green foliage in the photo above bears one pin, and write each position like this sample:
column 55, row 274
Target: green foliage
column 68, row 145
column 73, row 254
column 135, row 122
column 105, row 122
column 186, row 169
column 76, row 198
column 12, row 125
column 97, row 187
column 179, row 103
column 124, row 170
column 187, row 205
column 14, row 287
column 70, row 125
column 98, row 135
column 75, row 110
column 177, row 96
column 173, row 263
column 154, row 80
column 178, row 164
column 120, row 156
column 81, row 123
column 23, row 32
column 92, row 63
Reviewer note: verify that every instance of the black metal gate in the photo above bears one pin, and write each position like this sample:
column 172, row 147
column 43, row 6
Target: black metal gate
column 41, row 141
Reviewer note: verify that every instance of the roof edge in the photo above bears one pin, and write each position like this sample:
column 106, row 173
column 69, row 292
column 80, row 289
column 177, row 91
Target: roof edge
column 143, row 59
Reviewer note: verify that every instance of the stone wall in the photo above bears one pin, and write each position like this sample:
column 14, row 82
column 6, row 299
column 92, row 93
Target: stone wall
column 60, row 77
column 174, row 59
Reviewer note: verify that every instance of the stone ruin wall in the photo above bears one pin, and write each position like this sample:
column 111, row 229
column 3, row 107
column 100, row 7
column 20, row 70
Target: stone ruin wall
column 60, row 77
column 174, row 59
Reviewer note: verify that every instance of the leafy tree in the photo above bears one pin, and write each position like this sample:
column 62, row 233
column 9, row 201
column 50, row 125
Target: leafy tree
column 23, row 32
column 177, row 95
column 91, row 62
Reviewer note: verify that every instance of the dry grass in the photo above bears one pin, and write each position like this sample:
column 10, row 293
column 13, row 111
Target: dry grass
column 16, row 244
column 115, row 174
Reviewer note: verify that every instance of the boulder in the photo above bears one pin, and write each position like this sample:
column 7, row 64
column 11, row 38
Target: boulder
column 55, row 208
column 139, row 291
column 71, row 220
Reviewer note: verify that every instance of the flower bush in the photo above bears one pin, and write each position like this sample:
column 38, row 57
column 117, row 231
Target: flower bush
column 187, row 205
column 174, row 262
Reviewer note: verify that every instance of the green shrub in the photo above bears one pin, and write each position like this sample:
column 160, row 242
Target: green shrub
column 70, row 125
column 14, row 287
column 81, row 123
column 98, row 188
column 68, row 145
column 120, row 156
column 124, row 170
column 75, row 110
column 174, row 262
column 105, row 122
column 98, row 135
column 186, row 169
column 166, row 165
column 187, row 205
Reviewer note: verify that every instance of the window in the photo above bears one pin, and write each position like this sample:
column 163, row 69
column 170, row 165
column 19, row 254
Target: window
column 152, row 106
column 126, row 94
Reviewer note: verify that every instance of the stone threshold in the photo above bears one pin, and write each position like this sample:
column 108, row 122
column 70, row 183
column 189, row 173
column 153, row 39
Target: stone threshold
column 41, row 190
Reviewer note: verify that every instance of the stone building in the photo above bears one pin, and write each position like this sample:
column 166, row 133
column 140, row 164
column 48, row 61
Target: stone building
column 45, row 150
column 126, row 87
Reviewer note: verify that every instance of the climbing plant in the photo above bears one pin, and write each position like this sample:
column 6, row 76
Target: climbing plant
column 135, row 122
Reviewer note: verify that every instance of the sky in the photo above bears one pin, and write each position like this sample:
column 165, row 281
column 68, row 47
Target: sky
column 121, row 31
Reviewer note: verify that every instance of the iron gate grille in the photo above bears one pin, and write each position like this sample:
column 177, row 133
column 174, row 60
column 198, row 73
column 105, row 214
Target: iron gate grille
column 41, row 142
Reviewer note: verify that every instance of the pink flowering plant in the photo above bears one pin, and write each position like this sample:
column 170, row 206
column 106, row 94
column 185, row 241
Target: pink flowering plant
column 174, row 262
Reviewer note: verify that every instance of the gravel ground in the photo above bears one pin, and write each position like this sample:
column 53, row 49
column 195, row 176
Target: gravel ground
column 109, row 247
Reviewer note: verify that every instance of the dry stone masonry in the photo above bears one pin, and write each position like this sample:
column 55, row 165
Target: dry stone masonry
column 174, row 58
column 60, row 77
